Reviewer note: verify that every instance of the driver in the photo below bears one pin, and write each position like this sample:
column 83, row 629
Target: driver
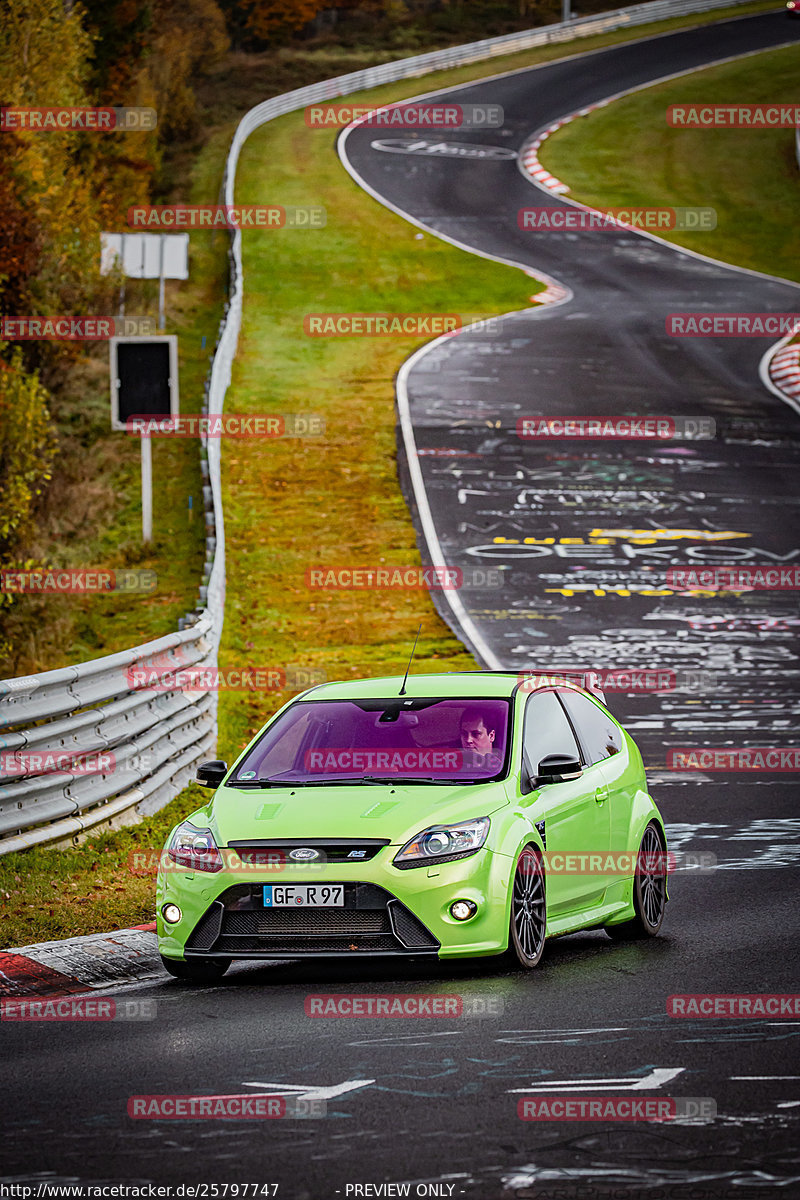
column 478, row 735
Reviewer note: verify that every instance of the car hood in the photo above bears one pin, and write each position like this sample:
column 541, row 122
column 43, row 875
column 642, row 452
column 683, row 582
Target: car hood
column 362, row 811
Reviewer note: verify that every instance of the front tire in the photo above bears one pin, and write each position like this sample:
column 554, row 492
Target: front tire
column 649, row 890
column 528, row 922
column 207, row 970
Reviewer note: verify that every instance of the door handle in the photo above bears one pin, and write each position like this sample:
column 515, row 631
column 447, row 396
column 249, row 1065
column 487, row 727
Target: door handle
column 601, row 794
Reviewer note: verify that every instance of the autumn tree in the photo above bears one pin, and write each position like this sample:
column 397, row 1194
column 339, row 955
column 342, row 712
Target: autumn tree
column 276, row 20
column 44, row 55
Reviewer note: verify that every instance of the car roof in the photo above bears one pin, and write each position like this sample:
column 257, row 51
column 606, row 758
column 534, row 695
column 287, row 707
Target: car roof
column 455, row 684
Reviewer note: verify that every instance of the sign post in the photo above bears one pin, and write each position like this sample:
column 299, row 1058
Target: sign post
column 144, row 383
column 161, row 257
column 147, row 489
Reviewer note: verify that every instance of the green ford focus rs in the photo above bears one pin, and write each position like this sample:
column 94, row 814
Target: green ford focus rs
column 453, row 816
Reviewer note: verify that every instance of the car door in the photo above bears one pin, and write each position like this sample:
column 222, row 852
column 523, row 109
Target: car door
column 603, row 743
column 571, row 816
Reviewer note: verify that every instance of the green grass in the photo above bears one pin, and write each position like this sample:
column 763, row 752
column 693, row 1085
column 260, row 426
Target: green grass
column 51, row 893
column 292, row 504
column 626, row 154
column 334, row 500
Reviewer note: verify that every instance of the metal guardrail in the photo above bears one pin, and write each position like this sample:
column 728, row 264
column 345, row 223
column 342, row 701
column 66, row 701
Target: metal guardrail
column 147, row 741
column 119, row 749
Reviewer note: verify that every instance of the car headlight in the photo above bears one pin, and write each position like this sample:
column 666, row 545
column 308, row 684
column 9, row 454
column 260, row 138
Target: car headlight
column 444, row 843
column 194, row 849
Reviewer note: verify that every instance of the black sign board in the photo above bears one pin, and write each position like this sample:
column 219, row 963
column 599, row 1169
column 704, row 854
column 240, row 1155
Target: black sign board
column 144, row 378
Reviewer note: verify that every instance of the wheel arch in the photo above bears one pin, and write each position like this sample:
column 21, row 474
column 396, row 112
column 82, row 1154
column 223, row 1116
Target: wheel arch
column 644, row 810
column 533, row 840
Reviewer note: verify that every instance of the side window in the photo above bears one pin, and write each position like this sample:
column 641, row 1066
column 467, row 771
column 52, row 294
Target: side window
column 546, row 729
column 599, row 735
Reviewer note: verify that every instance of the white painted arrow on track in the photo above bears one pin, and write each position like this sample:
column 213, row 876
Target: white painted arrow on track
column 311, row 1091
column 657, row 1077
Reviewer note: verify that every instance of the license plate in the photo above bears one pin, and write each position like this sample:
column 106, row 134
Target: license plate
column 311, row 895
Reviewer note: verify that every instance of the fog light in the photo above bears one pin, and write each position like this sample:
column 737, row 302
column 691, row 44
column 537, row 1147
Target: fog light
column 171, row 913
column 462, row 910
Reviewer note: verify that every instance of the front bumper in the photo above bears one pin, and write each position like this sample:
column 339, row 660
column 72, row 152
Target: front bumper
column 372, row 921
column 387, row 911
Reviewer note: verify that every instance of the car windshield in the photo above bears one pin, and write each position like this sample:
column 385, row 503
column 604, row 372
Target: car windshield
column 424, row 740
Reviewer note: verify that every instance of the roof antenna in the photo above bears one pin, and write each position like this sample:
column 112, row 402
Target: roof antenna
column 402, row 691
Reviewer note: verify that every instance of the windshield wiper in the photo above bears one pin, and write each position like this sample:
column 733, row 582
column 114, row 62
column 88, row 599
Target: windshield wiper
column 371, row 780
column 267, row 783
column 408, row 779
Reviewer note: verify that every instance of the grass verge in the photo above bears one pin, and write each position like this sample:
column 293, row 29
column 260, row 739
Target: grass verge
column 51, row 893
column 626, row 155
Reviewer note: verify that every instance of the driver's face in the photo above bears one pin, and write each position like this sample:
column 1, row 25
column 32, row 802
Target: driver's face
column 475, row 736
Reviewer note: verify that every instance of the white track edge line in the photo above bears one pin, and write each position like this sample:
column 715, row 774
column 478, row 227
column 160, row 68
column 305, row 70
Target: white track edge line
column 417, row 482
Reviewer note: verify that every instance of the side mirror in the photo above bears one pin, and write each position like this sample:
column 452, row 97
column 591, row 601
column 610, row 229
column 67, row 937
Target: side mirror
column 211, row 774
column 557, row 768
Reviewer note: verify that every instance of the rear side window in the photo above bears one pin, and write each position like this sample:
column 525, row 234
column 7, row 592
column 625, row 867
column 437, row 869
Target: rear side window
column 546, row 730
column 599, row 735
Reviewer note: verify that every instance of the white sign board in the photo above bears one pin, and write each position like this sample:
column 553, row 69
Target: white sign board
column 140, row 254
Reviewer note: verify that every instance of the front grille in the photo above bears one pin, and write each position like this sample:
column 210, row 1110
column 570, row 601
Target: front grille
column 331, row 850
column 306, row 922
column 237, row 923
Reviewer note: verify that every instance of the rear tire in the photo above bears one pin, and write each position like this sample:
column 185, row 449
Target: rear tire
column 528, row 922
column 207, row 970
column 649, row 890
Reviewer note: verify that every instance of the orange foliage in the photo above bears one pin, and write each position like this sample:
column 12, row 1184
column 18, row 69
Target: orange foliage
column 271, row 19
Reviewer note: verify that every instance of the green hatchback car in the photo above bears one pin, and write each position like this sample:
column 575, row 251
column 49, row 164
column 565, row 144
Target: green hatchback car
column 452, row 815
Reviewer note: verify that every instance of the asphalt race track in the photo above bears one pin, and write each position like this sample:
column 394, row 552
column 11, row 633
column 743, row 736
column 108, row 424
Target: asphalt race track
column 433, row 1102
